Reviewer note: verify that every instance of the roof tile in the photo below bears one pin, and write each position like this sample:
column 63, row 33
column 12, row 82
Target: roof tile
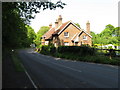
column 48, row 35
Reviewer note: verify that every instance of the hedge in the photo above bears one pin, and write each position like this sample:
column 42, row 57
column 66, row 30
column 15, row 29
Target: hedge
column 80, row 50
column 48, row 50
column 79, row 53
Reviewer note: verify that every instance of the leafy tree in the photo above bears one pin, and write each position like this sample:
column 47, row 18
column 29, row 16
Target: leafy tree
column 117, row 34
column 109, row 26
column 78, row 25
column 96, row 39
column 16, row 15
column 26, row 9
column 41, row 32
column 117, row 31
column 31, row 34
column 107, row 35
column 110, row 35
column 14, row 31
column 108, row 31
column 93, row 37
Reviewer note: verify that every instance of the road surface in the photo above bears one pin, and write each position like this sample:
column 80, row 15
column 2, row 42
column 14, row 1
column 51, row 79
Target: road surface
column 49, row 72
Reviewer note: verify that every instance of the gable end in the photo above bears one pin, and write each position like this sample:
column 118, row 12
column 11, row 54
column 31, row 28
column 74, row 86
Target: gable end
column 67, row 26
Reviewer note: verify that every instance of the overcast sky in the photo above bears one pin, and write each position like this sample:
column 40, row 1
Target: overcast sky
column 99, row 13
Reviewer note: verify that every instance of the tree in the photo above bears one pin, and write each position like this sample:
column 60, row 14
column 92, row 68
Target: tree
column 16, row 15
column 117, row 34
column 94, row 37
column 110, row 35
column 26, row 9
column 31, row 34
column 116, row 31
column 108, row 31
column 77, row 24
column 41, row 32
column 110, row 27
column 13, row 27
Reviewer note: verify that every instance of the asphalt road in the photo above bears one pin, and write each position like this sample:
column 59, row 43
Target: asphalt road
column 50, row 72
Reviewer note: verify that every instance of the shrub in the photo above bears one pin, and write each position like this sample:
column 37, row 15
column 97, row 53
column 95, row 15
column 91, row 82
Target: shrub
column 80, row 50
column 45, row 50
column 48, row 50
column 52, row 50
column 79, row 53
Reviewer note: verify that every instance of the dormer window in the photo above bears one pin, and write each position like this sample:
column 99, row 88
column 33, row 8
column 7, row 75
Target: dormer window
column 66, row 34
column 84, row 37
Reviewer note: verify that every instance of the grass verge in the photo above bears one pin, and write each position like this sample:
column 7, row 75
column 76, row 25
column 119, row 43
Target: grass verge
column 17, row 63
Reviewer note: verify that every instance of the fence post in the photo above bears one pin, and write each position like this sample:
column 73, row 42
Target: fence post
column 111, row 51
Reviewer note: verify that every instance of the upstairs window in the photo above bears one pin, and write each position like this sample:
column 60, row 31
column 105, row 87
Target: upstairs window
column 84, row 37
column 66, row 34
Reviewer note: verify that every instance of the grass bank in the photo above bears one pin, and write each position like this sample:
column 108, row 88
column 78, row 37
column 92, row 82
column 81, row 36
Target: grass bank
column 16, row 61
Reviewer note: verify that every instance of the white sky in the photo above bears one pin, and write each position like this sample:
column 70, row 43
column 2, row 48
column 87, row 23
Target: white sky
column 99, row 13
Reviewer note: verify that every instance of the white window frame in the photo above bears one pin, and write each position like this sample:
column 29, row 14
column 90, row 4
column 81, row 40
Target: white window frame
column 46, row 42
column 67, row 34
column 84, row 37
column 66, row 43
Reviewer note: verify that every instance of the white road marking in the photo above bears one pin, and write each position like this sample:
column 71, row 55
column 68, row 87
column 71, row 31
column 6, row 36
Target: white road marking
column 66, row 67
column 29, row 77
column 61, row 65
column 57, row 58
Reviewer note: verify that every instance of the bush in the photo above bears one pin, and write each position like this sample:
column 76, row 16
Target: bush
column 79, row 50
column 79, row 53
column 45, row 50
column 48, row 50
column 52, row 49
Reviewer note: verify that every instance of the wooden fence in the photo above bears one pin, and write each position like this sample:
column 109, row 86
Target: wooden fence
column 110, row 52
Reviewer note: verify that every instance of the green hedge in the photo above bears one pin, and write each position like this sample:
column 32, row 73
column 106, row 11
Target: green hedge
column 48, row 50
column 79, row 50
column 79, row 53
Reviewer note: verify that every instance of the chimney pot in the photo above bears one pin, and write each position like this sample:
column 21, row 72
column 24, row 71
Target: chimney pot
column 56, row 24
column 50, row 25
column 59, row 20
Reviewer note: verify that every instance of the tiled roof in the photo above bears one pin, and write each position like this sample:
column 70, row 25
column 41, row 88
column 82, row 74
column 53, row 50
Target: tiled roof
column 53, row 31
column 48, row 35
column 61, row 27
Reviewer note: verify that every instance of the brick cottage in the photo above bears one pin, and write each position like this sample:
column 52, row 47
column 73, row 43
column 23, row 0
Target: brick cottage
column 67, row 34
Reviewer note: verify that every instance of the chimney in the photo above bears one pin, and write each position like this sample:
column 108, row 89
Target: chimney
column 59, row 20
column 56, row 24
column 88, row 27
column 50, row 25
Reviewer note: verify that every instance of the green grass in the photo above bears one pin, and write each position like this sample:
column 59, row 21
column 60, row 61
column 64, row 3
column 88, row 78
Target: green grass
column 17, row 63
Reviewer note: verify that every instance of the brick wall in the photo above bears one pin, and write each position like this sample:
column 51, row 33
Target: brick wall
column 88, row 41
column 72, row 30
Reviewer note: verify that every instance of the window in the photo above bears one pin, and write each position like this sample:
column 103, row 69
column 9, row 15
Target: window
column 84, row 37
column 46, row 42
column 66, row 43
column 66, row 34
column 76, row 43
